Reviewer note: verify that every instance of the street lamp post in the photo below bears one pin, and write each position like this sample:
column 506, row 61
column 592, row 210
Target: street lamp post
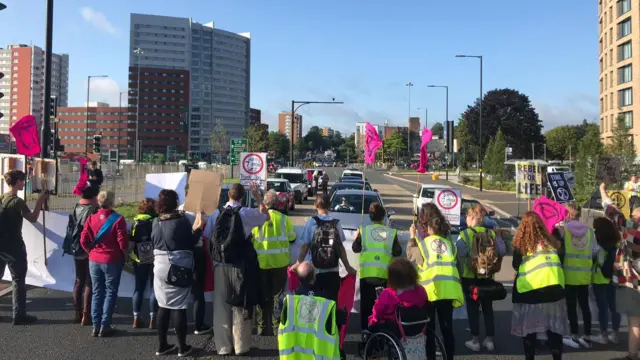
column 480, row 121
column 446, row 87
column 409, row 85
column 293, row 115
column 86, row 137
column 138, row 148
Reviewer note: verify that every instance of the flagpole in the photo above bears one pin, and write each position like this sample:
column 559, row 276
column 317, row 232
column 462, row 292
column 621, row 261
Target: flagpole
column 364, row 182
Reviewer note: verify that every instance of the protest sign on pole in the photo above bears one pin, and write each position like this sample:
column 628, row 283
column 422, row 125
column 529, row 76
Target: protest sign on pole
column 528, row 179
column 449, row 201
column 608, row 170
column 253, row 168
column 560, row 187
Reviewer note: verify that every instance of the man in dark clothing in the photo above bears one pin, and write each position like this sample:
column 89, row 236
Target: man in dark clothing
column 95, row 175
column 13, row 252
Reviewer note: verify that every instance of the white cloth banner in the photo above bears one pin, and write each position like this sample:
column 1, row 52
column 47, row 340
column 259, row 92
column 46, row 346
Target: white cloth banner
column 154, row 183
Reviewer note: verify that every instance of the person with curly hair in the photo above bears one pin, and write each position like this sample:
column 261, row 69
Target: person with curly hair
column 539, row 309
column 142, row 256
column 436, row 260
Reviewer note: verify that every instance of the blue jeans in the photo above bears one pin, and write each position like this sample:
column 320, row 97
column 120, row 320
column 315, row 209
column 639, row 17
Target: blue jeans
column 143, row 276
column 605, row 295
column 105, row 279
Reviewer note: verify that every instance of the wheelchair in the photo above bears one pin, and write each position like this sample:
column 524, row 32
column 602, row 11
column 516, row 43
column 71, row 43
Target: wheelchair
column 387, row 342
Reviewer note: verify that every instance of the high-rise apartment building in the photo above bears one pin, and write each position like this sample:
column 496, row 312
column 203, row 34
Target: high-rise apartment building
column 216, row 65
column 284, row 125
column 23, row 82
column 327, row 131
column 255, row 116
column 619, row 97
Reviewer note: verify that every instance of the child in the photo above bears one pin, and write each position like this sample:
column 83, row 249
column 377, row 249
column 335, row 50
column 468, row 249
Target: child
column 142, row 256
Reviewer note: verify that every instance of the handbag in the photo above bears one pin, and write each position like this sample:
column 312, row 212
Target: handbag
column 178, row 276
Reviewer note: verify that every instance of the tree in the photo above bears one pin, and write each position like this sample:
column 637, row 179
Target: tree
column 438, row 130
column 348, row 149
column 621, row 146
column 220, row 140
column 465, row 146
column 589, row 151
column 257, row 138
column 279, row 144
column 489, row 158
column 509, row 110
column 394, row 145
column 559, row 140
column 314, row 140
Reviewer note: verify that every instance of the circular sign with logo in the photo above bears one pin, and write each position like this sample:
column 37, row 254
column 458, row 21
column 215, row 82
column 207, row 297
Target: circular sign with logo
column 252, row 164
column 308, row 310
column 379, row 234
column 563, row 194
column 618, row 199
column 439, row 246
column 447, row 199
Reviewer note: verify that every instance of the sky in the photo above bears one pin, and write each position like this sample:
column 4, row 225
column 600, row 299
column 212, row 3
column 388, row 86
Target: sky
column 361, row 52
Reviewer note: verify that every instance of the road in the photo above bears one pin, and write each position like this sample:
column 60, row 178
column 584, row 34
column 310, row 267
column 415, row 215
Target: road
column 55, row 337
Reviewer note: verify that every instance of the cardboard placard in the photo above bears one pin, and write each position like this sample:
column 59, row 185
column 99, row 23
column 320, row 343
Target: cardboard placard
column 45, row 173
column 608, row 170
column 204, row 191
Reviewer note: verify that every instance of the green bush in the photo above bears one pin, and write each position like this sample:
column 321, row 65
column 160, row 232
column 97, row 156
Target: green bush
column 465, row 180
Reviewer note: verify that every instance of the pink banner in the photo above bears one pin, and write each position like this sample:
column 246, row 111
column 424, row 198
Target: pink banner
column 346, row 298
column 550, row 211
column 84, row 176
column 25, row 131
column 427, row 135
column 372, row 144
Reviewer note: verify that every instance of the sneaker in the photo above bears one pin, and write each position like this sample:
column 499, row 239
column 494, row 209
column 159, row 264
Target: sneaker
column 24, row 319
column 613, row 337
column 166, row 350
column 472, row 345
column 584, row 341
column 571, row 341
column 204, row 329
column 186, row 351
column 488, row 344
column 600, row 339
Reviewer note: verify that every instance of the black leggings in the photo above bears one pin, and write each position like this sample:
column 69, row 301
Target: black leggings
column 179, row 322
column 554, row 343
column 578, row 295
column 444, row 310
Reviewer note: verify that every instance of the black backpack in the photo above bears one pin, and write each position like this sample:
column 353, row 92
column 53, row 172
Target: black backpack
column 324, row 246
column 71, row 242
column 228, row 241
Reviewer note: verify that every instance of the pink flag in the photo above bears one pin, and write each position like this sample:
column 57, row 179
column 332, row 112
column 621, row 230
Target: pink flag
column 25, row 131
column 372, row 144
column 424, row 155
column 550, row 211
column 84, row 176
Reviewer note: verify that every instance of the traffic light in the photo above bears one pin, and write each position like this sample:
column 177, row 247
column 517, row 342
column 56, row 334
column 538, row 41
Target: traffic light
column 53, row 102
column 97, row 139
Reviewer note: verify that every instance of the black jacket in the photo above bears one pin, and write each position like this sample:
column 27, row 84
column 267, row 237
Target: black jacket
column 174, row 232
column 544, row 295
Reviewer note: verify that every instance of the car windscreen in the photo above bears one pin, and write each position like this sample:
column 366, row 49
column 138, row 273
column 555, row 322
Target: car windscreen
column 352, row 203
column 428, row 193
column 293, row 178
column 278, row 186
column 352, row 174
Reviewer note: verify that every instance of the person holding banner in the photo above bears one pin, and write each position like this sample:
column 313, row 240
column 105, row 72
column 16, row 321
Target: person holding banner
column 13, row 252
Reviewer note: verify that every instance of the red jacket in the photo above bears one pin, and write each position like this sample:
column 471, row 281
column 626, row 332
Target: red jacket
column 114, row 243
column 389, row 300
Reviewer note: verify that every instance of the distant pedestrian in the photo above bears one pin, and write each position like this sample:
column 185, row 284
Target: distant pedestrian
column 142, row 256
column 106, row 240
column 95, row 175
column 174, row 240
column 13, row 252
column 325, row 183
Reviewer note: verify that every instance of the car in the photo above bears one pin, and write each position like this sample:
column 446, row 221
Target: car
column 286, row 196
column 328, row 164
column 348, row 186
column 249, row 201
column 354, row 173
column 298, row 180
column 351, row 216
column 350, row 178
column 425, row 195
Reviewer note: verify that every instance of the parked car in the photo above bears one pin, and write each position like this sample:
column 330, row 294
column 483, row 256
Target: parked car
column 298, row 180
column 348, row 186
column 425, row 195
column 286, row 196
column 354, row 173
column 350, row 215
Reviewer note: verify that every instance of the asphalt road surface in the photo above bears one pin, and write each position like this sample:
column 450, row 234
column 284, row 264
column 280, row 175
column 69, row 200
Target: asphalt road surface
column 55, row 337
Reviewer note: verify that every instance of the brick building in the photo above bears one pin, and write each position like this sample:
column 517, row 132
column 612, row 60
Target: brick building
column 255, row 116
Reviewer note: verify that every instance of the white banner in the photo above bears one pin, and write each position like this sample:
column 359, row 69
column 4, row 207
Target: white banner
column 154, row 183
column 253, row 168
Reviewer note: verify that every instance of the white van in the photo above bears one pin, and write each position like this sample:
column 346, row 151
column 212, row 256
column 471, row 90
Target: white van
column 298, row 179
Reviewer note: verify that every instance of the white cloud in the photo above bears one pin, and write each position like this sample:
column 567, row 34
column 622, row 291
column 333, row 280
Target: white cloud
column 571, row 111
column 98, row 19
column 106, row 90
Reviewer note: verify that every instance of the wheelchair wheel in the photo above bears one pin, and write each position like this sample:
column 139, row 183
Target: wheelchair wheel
column 383, row 345
column 441, row 354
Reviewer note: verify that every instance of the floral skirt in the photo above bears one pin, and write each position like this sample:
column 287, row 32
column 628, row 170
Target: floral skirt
column 415, row 347
column 539, row 318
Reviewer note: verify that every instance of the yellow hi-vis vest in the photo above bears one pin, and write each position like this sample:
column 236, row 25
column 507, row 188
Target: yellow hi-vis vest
column 376, row 254
column 303, row 335
column 467, row 237
column 597, row 277
column 578, row 262
column 539, row 270
column 271, row 241
column 439, row 274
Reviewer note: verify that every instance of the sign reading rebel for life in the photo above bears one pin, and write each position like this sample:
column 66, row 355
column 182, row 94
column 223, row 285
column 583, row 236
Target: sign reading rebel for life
column 253, row 168
column 528, row 180
column 449, row 201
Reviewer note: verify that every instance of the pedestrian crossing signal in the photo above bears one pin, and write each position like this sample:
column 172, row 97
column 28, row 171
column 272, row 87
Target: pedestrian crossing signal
column 97, row 140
